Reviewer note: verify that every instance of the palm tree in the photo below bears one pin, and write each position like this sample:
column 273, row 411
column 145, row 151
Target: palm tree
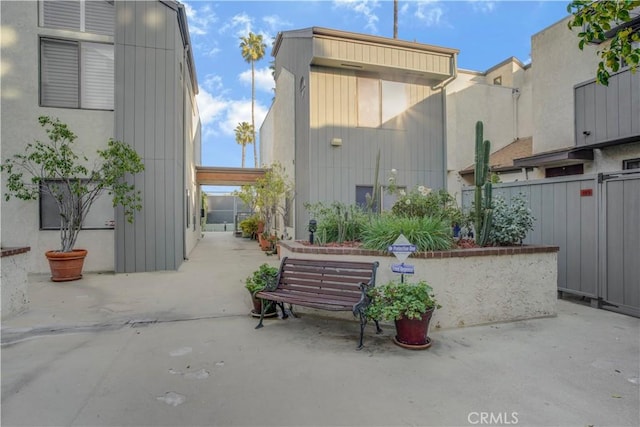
column 244, row 135
column 253, row 48
column 395, row 19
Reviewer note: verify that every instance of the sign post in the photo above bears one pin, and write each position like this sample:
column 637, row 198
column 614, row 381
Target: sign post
column 402, row 248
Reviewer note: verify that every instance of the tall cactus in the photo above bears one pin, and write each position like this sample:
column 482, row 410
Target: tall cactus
column 483, row 211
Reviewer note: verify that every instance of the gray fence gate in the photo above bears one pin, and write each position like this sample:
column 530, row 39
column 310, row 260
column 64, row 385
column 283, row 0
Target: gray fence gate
column 595, row 220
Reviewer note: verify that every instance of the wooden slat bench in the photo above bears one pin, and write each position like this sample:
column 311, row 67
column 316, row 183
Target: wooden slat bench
column 324, row 285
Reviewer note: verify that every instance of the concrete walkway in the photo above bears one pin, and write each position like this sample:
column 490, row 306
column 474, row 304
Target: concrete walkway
column 179, row 349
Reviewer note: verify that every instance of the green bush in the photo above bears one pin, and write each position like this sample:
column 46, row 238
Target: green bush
column 427, row 233
column 421, row 202
column 395, row 300
column 249, row 226
column 511, row 222
column 337, row 222
column 265, row 275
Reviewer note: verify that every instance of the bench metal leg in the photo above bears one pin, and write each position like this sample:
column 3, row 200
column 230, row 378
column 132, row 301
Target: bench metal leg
column 378, row 328
column 363, row 323
column 260, row 325
column 283, row 310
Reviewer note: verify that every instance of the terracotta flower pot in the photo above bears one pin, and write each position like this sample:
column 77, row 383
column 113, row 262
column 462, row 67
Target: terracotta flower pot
column 412, row 333
column 66, row 266
column 257, row 308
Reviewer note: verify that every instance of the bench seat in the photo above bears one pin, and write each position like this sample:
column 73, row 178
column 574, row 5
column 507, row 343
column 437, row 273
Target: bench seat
column 324, row 285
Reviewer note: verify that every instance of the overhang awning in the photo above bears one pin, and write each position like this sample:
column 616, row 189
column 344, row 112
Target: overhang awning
column 214, row 175
column 566, row 156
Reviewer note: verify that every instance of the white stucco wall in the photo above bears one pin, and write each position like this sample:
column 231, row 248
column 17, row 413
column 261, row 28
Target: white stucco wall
column 20, row 111
column 14, row 284
column 474, row 290
column 505, row 117
column 277, row 133
column 610, row 159
column 557, row 66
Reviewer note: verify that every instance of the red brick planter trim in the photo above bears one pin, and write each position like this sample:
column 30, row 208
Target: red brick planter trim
column 297, row 247
column 15, row 251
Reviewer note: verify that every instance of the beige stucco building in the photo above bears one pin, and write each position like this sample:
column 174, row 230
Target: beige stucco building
column 547, row 118
column 107, row 69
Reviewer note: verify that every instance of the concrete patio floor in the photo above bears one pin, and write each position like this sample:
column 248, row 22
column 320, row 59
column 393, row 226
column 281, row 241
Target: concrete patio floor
column 179, row 349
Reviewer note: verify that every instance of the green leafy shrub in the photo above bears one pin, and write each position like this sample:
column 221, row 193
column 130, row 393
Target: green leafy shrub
column 511, row 222
column 265, row 275
column 427, row 233
column 54, row 168
column 249, row 226
column 422, row 201
column 395, row 300
column 337, row 222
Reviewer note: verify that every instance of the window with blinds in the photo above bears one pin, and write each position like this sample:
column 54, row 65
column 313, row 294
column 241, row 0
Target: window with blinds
column 90, row 16
column 76, row 74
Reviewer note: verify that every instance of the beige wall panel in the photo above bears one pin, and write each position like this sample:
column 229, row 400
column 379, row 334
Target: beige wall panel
column 558, row 65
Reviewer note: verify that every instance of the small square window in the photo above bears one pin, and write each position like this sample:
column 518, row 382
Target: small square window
column 497, row 81
column 631, row 164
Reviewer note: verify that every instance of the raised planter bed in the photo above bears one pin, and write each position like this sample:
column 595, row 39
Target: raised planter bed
column 475, row 286
column 13, row 281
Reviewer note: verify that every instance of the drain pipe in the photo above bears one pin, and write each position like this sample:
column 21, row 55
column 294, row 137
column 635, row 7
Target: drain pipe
column 515, row 94
column 442, row 85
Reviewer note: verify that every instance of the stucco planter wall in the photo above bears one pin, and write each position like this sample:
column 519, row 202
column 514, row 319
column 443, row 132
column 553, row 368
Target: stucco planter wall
column 474, row 286
column 13, row 281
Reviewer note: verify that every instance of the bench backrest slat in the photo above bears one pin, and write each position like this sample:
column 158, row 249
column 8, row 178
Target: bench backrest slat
column 336, row 280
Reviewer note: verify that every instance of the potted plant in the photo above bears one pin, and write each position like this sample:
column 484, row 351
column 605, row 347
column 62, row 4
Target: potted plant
column 264, row 276
column 410, row 306
column 249, row 227
column 54, row 170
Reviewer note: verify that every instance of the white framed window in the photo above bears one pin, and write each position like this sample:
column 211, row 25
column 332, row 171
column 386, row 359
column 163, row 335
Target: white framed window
column 380, row 101
column 87, row 16
column 75, row 74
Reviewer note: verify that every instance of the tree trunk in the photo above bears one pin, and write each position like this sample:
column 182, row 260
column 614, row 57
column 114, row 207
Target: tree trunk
column 395, row 19
column 253, row 122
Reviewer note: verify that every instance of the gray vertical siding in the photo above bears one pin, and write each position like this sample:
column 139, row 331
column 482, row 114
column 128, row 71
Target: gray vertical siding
column 148, row 115
column 598, row 235
column 295, row 56
column 415, row 145
column 622, row 242
column 564, row 218
column 608, row 113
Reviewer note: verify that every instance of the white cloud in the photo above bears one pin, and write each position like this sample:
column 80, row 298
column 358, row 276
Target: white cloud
column 241, row 25
column 485, row 6
column 200, row 20
column 366, row 8
column 429, row 11
column 264, row 79
column 275, row 23
column 212, row 83
column 220, row 114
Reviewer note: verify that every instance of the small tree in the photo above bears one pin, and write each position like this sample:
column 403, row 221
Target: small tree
column 54, row 169
column 596, row 19
column 267, row 194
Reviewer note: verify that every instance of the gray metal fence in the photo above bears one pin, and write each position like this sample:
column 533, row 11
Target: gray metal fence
column 594, row 219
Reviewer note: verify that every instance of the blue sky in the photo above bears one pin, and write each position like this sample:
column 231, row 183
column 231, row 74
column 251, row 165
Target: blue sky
column 485, row 32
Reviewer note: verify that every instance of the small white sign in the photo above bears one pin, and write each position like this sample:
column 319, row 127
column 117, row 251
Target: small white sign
column 402, row 248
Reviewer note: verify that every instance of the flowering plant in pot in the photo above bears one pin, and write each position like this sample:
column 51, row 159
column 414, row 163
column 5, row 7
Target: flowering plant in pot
column 265, row 276
column 54, row 170
column 410, row 306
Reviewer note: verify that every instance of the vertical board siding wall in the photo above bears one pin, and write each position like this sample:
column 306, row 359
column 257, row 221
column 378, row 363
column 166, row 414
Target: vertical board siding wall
column 415, row 145
column 148, row 115
column 621, row 238
column 608, row 113
column 564, row 218
column 598, row 232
